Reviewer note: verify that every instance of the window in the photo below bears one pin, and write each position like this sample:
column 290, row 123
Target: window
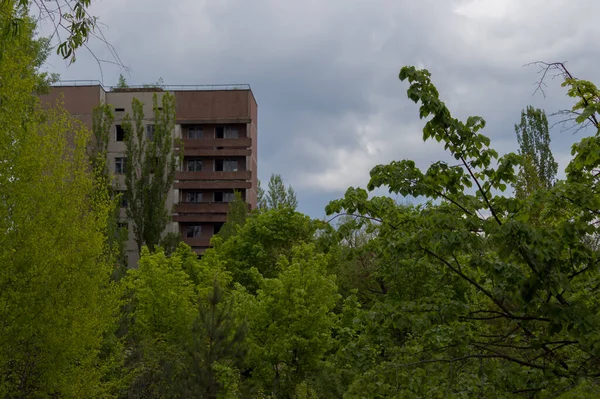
column 226, row 165
column 120, row 165
column 194, row 165
column 150, row 132
column 193, row 231
column 119, row 109
column 123, row 198
column 218, row 196
column 230, row 166
column 228, row 197
column 120, row 133
column 195, row 132
column 218, row 227
column 225, row 132
column 194, row 196
column 231, row 133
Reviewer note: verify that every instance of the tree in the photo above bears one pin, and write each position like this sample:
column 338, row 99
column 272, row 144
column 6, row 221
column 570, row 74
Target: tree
column 102, row 122
column 236, row 217
column 519, row 302
column 71, row 20
column 163, row 298
column 277, row 195
column 539, row 167
column 122, row 83
column 150, row 170
column 57, row 302
column 291, row 318
column 255, row 249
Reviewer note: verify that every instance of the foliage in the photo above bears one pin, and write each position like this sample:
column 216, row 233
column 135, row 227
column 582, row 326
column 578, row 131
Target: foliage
column 150, row 170
column 71, row 16
column 539, row 167
column 57, row 304
column 291, row 322
column 524, row 319
column 277, row 196
column 122, row 83
column 255, row 250
column 236, row 217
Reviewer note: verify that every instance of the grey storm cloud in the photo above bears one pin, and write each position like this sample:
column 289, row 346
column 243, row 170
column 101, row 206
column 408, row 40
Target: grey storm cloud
column 325, row 73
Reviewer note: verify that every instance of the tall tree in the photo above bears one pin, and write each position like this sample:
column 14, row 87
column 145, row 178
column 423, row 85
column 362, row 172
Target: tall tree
column 56, row 299
column 277, row 195
column 150, row 170
column 102, row 122
column 539, row 168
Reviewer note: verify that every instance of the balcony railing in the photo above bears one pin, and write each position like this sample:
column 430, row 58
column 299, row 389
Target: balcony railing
column 200, row 217
column 211, row 152
column 209, row 184
column 202, row 207
column 209, row 175
column 211, row 143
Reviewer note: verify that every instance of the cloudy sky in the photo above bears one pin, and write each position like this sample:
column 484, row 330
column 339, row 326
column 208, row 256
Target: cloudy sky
column 325, row 72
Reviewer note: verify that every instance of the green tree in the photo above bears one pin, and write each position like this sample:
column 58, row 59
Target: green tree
column 518, row 310
column 102, row 122
column 150, row 170
column 539, row 167
column 236, row 217
column 122, row 83
column 290, row 323
column 254, row 251
column 57, row 303
column 277, row 195
column 77, row 23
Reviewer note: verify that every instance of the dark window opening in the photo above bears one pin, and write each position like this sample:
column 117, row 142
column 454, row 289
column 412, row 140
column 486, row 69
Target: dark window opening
column 119, row 109
column 193, row 231
column 218, row 227
column 218, row 196
column 194, row 196
column 194, row 165
column 219, row 132
column 150, row 132
column 195, row 132
column 120, row 133
column 218, row 165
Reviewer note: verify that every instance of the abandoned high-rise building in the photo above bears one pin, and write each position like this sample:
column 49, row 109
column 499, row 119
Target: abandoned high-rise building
column 218, row 126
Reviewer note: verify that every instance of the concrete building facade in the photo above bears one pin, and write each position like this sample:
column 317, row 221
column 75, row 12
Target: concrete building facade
column 218, row 127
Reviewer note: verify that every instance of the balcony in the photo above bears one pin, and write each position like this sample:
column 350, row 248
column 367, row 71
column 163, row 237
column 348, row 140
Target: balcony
column 239, row 175
column 243, row 142
column 197, row 242
column 214, row 185
column 211, row 152
column 200, row 217
column 202, row 207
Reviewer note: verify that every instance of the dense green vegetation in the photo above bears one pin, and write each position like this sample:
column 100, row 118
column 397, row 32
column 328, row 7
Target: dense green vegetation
column 475, row 293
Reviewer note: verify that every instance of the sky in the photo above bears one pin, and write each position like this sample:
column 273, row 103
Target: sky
column 325, row 72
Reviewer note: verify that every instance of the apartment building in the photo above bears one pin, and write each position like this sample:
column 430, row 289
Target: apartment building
column 218, row 126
